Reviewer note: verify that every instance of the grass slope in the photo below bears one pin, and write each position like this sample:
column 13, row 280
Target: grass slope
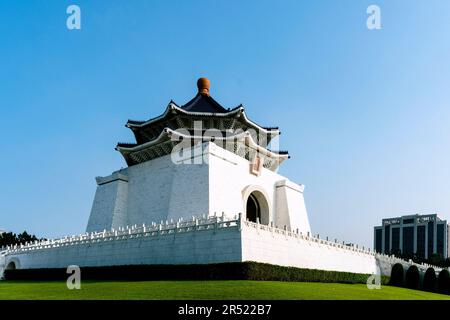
column 198, row 290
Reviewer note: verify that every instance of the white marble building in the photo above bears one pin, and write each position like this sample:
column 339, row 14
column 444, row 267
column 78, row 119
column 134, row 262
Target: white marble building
column 201, row 187
column 160, row 190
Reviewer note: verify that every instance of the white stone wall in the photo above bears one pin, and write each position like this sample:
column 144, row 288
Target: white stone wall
column 209, row 180
column 160, row 189
column 157, row 190
column 230, row 183
column 200, row 241
column 109, row 209
column 279, row 248
column 290, row 207
column 2, row 264
column 210, row 244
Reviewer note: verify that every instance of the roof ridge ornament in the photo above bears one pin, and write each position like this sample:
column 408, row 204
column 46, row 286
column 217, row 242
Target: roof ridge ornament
column 203, row 85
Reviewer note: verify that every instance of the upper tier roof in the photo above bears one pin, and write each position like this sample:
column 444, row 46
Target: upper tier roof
column 200, row 113
column 200, row 108
column 176, row 117
column 204, row 103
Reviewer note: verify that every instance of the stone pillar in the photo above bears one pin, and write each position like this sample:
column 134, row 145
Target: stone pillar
column 109, row 209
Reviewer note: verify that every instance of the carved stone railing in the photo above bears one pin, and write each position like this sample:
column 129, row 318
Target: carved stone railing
column 391, row 259
column 130, row 232
column 193, row 225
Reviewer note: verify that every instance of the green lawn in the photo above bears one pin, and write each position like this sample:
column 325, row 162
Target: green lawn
column 156, row 290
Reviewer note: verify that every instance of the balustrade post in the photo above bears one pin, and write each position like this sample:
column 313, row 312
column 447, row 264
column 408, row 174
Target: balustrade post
column 239, row 221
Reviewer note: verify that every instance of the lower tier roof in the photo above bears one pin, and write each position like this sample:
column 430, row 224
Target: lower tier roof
column 241, row 144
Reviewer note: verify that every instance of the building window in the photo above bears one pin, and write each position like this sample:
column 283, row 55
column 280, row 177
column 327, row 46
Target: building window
column 408, row 241
column 387, row 248
column 430, row 238
column 395, row 241
column 378, row 240
column 440, row 239
column 421, row 241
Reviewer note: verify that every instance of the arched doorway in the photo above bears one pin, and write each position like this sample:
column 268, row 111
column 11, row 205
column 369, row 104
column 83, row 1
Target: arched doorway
column 11, row 266
column 253, row 209
column 257, row 208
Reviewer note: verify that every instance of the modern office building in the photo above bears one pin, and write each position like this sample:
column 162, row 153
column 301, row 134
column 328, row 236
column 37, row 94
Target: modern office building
column 422, row 235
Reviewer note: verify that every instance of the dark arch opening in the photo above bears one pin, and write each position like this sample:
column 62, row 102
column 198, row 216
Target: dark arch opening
column 444, row 281
column 397, row 275
column 429, row 280
column 11, row 266
column 253, row 209
column 412, row 278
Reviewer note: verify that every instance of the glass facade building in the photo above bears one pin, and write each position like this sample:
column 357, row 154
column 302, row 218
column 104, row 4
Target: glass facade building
column 421, row 235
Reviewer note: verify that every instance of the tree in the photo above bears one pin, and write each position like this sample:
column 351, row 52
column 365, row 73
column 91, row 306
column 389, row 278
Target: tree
column 10, row 239
column 7, row 239
column 24, row 237
column 436, row 259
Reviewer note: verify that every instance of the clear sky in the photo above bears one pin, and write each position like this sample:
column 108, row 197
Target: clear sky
column 364, row 114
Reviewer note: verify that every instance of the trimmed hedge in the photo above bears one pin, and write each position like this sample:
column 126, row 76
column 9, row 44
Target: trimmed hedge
column 412, row 278
column 444, row 282
column 221, row 271
column 268, row 272
column 397, row 275
column 429, row 280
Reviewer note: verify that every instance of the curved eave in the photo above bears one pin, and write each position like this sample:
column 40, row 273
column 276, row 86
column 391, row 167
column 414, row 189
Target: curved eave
column 235, row 112
column 245, row 136
column 128, row 147
column 280, row 156
column 168, row 133
column 271, row 131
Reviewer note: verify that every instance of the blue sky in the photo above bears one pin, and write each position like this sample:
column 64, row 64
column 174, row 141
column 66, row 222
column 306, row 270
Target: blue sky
column 364, row 114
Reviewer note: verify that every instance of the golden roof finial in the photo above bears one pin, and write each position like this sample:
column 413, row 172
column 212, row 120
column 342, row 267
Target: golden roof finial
column 203, row 85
